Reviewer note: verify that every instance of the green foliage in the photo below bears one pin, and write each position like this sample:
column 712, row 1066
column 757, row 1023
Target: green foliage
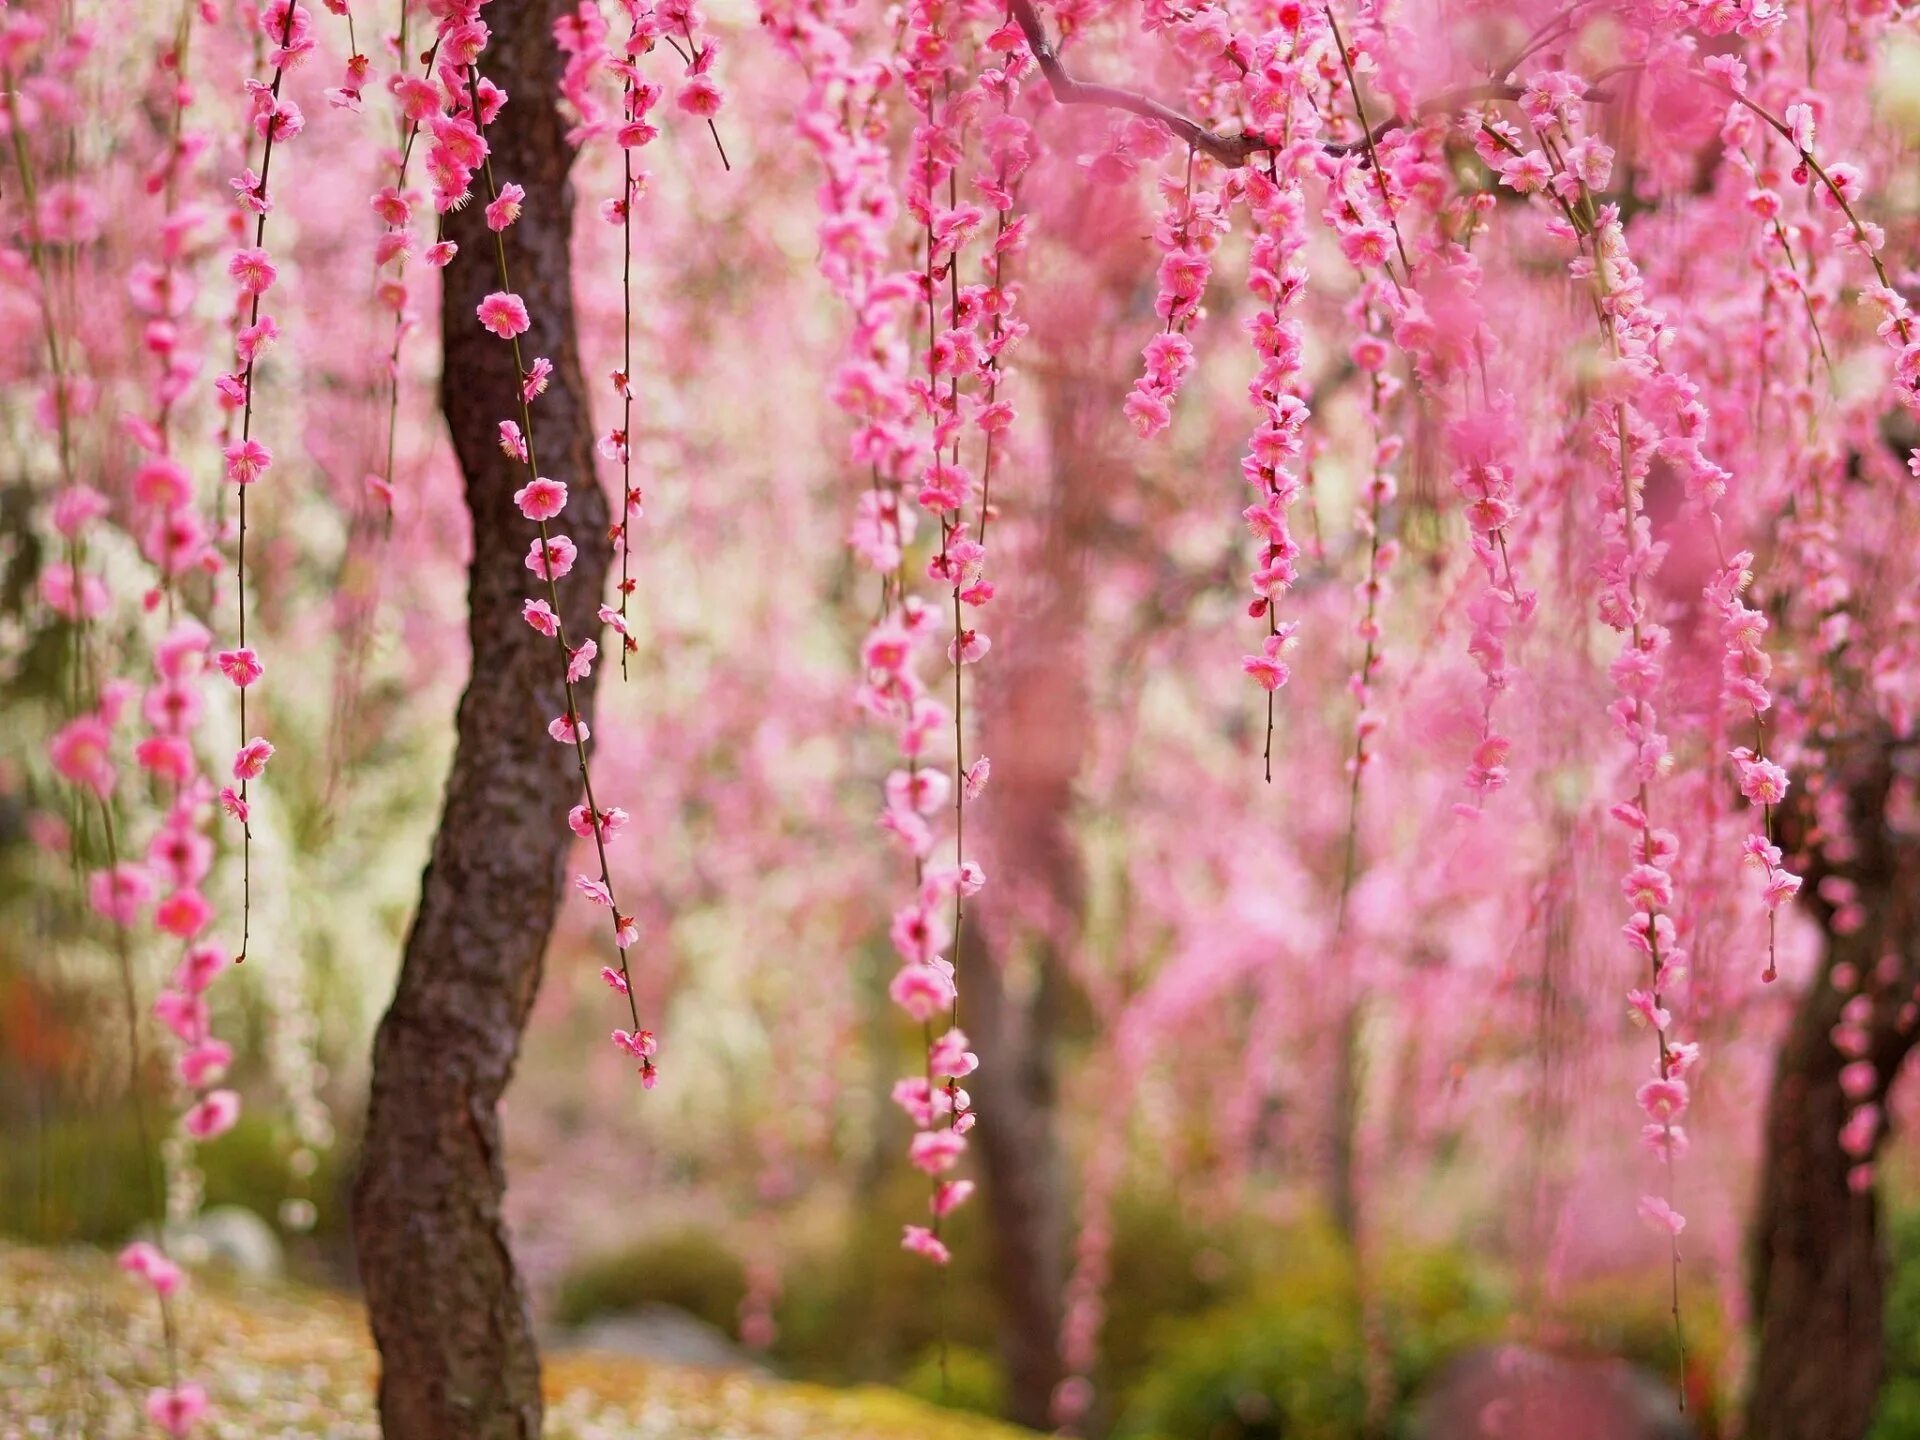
column 858, row 1307
column 97, row 1168
column 1165, row 1266
column 967, row 1379
column 691, row 1269
column 1289, row 1361
column 1899, row 1417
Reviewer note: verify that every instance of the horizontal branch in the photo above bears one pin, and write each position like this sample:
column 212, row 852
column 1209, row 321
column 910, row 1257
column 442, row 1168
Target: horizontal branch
column 1233, row 151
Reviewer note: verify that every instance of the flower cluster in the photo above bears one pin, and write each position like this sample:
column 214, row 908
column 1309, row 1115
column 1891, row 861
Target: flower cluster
column 1187, row 232
column 174, row 538
column 1482, row 444
column 1278, row 280
column 633, row 129
column 1377, row 493
column 1838, row 186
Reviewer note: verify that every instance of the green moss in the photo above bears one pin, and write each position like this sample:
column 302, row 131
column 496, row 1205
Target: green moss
column 692, row 1270
column 962, row 1379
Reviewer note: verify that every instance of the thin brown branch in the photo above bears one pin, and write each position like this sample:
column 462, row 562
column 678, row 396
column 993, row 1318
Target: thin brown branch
column 1233, row 151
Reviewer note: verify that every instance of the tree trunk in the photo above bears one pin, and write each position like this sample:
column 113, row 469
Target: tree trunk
column 1037, row 722
column 1343, row 1122
column 1819, row 1277
column 449, row 1314
column 1016, row 1093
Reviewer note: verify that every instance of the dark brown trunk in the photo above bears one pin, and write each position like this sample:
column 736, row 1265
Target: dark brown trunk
column 1818, row 1281
column 1015, row 1091
column 449, row 1314
column 1819, row 1277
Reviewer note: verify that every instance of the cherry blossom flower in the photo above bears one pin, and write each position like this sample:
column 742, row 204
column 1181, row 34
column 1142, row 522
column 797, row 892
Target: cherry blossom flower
column 1662, row 1216
column 216, row 1113
column 505, row 314
column 541, row 499
column 502, row 211
column 921, row 1241
column 251, row 759
column 242, row 665
column 177, row 1409
column 551, row 559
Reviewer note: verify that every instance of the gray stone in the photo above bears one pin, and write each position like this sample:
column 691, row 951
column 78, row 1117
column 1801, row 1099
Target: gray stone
column 658, row 1332
column 229, row 1237
column 1513, row 1393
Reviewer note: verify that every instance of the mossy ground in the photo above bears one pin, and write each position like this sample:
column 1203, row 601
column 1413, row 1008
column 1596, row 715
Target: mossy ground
column 80, row 1346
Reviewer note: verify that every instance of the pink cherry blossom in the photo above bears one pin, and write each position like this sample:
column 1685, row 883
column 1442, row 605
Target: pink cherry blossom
column 212, row 1116
column 205, row 1064
column 921, row 1241
column 553, row 558
column 1662, row 1216
column 247, row 461
column 541, row 499
column 505, row 314
column 250, row 762
column 177, row 1409
column 502, row 211
column 242, row 666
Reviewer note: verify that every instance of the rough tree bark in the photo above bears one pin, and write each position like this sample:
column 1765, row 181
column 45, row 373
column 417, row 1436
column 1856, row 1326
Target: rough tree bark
column 458, row 1359
column 1819, row 1276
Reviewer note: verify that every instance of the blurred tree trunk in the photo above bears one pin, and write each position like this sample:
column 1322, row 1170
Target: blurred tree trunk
column 1011, row 1001
column 449, row 1314
column 1016, row 1092
column 1343, row 1124
column 1819, row 1276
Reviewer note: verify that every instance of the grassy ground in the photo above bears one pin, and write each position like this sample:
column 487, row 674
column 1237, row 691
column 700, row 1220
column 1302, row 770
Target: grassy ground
column 79, row 1346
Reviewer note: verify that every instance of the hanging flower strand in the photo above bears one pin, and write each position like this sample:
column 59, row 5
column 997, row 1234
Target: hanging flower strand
column 1570, row 167
column 81, row 754
column 179, row 857
column 551, row 556
column 926, row 987
column 277, row 121
column 1378, row 492
column 172, row 536
column 418, row 103
column 700, row 96
column 637, row 99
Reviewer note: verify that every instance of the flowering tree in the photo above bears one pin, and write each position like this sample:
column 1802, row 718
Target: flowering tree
column 1562, row 354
